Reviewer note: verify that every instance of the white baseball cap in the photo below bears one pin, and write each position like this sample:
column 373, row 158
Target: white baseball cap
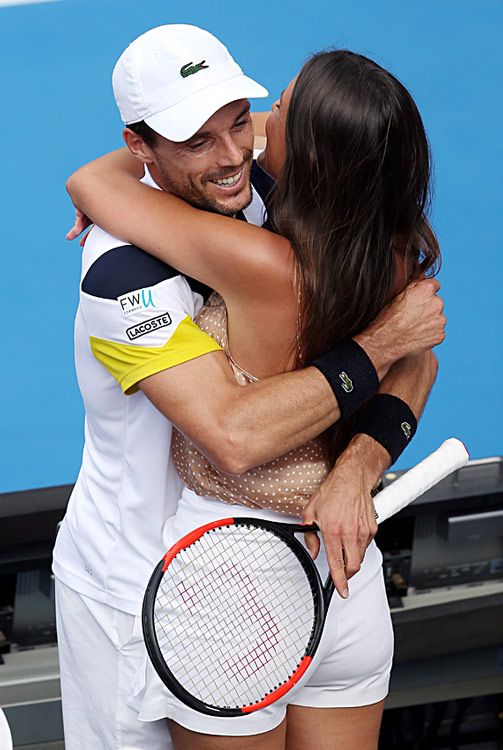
column 175, row 77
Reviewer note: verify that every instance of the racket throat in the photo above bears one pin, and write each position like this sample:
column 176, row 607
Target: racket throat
column 328, row 592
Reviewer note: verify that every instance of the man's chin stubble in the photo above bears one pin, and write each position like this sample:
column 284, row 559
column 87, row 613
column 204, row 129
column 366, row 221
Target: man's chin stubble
column 225, row 211
column 219, row 207
column 196, row 198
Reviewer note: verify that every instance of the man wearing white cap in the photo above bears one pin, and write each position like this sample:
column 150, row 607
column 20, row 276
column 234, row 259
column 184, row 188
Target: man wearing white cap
column 143, row 364
column 174, row 100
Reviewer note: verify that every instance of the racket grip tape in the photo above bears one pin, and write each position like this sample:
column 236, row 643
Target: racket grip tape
column 449, row 457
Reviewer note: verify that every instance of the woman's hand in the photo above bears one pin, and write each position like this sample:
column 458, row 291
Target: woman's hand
column 120, row 160
column 343, row 509
column 81, row 223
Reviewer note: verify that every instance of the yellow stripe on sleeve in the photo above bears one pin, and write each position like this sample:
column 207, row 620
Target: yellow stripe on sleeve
column 130, row 364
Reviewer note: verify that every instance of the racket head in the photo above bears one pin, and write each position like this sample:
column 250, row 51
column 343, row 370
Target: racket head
column 223, row 598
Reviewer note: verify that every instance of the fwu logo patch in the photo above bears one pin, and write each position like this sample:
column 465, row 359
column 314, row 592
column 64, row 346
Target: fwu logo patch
column 148, row 326
column 142, row 299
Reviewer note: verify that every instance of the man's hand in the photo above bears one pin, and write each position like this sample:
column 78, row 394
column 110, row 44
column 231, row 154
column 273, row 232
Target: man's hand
column 410, row 324
column 343, row 509
column 81, row 223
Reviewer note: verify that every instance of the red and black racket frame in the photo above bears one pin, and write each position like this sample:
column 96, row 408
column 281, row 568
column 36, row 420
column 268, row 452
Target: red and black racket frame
column 322, row 595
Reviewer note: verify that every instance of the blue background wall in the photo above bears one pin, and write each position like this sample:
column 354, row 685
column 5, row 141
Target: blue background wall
column 58, row 111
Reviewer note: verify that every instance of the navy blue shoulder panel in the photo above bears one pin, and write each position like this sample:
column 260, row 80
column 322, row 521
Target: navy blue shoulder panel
column 126, row 268
column 261, row 181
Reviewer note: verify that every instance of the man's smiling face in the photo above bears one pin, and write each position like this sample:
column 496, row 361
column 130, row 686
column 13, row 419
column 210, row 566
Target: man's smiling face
column 212, row 169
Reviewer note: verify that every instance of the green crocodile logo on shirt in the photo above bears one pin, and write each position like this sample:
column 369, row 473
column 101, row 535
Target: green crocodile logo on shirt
column 347, row 383
column 190, row 68
column 406, row 429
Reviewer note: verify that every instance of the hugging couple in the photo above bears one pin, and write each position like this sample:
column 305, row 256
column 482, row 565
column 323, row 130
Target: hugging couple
column 250, row 332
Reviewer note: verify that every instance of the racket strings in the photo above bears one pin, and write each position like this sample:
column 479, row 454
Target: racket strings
column 255, row 658
column 233, row 616
column 245, row 665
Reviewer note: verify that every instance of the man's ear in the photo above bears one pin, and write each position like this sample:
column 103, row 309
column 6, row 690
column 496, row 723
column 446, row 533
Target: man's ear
column 138, row 147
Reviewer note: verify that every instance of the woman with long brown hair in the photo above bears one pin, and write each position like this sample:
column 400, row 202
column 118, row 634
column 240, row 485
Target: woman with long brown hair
column 347, row 230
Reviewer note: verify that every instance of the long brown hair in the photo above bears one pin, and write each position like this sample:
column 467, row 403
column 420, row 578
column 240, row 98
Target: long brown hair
column 354, row 192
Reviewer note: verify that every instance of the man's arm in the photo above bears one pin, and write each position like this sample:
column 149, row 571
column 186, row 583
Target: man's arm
column 137, row 311
column 238, row 428
column 342, row 506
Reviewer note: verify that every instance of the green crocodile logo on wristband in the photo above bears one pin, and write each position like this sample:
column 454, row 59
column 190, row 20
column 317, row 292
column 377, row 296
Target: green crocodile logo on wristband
column 347, row 383
column 189, row 69
column 406, row 429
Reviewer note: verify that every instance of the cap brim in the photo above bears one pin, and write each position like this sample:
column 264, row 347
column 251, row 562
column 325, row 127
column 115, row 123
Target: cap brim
column 182, row 120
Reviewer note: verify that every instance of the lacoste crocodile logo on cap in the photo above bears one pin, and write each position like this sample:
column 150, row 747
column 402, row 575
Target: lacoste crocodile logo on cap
column 189, row 69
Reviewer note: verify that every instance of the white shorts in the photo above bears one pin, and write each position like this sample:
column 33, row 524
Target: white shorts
column 101, row 650
column 351, row 669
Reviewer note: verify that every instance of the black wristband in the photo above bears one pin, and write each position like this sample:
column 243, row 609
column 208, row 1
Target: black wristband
column 351, row 375
column 390, row 421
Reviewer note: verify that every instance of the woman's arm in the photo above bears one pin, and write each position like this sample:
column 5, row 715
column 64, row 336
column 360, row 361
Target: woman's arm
column 230, row 256
column 259, row 120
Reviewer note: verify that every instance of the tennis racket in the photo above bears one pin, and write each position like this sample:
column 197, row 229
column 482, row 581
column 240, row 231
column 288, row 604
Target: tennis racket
column 234, row 612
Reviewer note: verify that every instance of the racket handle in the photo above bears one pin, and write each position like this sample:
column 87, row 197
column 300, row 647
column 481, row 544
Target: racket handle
column 451, row 455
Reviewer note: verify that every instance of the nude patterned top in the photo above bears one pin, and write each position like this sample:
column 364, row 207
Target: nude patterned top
column 284, row 485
